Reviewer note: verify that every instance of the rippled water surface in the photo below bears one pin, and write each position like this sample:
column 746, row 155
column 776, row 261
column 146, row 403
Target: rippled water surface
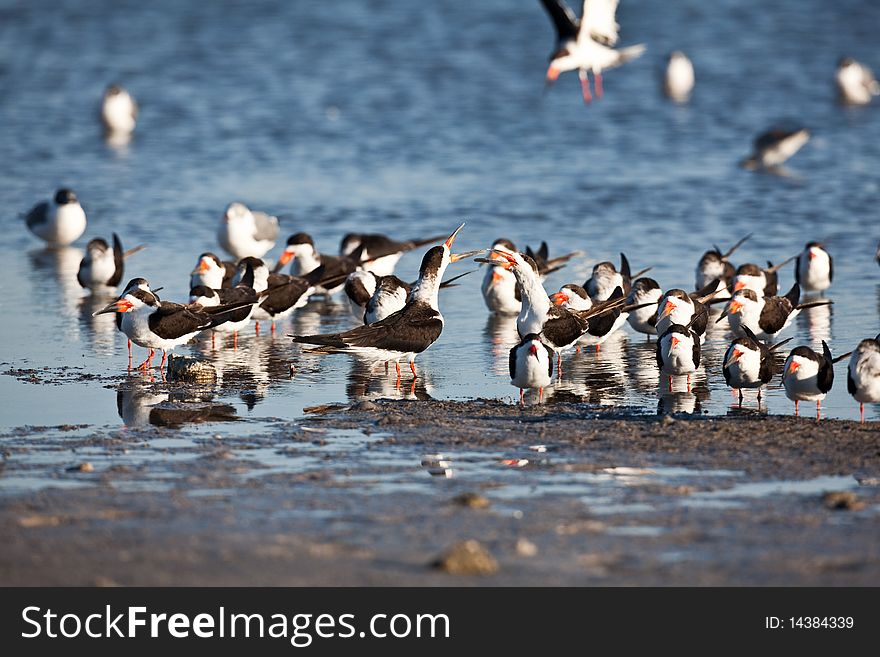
column 408, row 118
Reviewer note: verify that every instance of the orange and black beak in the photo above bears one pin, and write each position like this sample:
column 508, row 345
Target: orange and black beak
column 201, row 268
column 286, row 256
column 675, row 343
column 735, row 356
column 739, row 285
column 668, row 309
column 552, row 74
column 793, row 367
column 559, row 298
column 455, row 257
column 118, row 306
column 732, row 309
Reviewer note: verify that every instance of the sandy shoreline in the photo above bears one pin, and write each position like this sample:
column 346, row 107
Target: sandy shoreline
column 615, row 499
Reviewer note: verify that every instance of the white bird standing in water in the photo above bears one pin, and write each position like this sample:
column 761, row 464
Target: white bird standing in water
column 856, row 84
column 678, row 81
column 57, row 222
column 118, row 111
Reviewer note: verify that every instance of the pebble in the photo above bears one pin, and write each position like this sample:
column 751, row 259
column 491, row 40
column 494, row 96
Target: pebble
column 525, row 548
column 468, row 557
column 191, row 370
column 82, row 467
column 471, row 501
column 843, row 500
column 365, row 406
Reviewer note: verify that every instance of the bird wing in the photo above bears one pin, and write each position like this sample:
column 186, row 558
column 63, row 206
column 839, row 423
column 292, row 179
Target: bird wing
column 564, row 20
column 774, row 314
column 511, row 360
column 38, row 214
column 283, row 292
column 118, row 261
column 173, row 320
column 696, row 354
column 410, row 330
column 265, row 227
column 598, row 22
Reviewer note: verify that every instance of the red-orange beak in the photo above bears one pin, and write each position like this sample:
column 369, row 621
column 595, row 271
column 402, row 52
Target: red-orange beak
column 552, row 73
column 793, row 367
column 118, row 306
column 738, row 286
column 735, row 356
column 675, row 342
column 533, row 350
column 735, row 307
column 812, row 254
column 559, row 298
column 667, row 310
column 286, row 256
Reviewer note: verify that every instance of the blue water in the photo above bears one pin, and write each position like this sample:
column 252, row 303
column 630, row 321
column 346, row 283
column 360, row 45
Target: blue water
column 408, row 118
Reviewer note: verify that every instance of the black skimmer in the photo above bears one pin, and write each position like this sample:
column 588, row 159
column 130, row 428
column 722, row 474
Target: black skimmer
column 559, row 328
column 499, row 288
column 808, row 376
column 775, row 146
column 102, row 266
column 814, row 269
column 280, row 294
column 685, row 309
column 57, row 222
column 245, row 233
column 155, row 324
column 716, row 266
column 678, row 350
column 546, row 264
column 678, row 79
column 585, row 45
column 118, row 111
column 305, row 259
column 212, row 272
column 749, row 363
column 765, row 316
column 605, row 279
column 373, row 298
column 241, row 294
column 379, row 253
column 863, row 374
column 763, row 282
column 359, row 288
column 531, row 366
column 576, row 299
column 856, row 84
column 406, row 333
column 645, row 292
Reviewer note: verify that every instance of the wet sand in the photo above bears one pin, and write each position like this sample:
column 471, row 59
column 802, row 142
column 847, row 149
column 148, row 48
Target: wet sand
column 346, row 496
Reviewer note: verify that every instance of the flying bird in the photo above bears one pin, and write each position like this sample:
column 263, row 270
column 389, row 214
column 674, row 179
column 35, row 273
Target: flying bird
column 586, row 44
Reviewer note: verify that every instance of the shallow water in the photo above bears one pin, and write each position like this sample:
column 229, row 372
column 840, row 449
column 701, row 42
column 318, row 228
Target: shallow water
column 408, row 118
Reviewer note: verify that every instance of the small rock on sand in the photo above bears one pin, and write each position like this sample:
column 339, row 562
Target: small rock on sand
column 190, row 370
column 843, row 500
column 365, row 406
column 466, row 558
column 471, row 501
column 525, row 548
column 82, row 467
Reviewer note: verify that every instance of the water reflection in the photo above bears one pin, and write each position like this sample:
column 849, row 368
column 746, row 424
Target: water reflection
column 62, row 265
column 596, row 376
column 141, row 402
column 818, row 322
column 684, row 397
column 368, row 380
column 500, row 333
column 102, row 328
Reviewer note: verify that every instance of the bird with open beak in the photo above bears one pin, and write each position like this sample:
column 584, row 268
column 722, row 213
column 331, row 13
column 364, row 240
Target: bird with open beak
column 411, row 330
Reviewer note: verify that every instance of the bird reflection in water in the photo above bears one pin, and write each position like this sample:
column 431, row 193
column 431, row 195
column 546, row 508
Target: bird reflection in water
column 500, row 331
column 369, row 380
column 818, row 322
column 101, row 328
column 597, row 377
column 140, row 402
column 61, row 264
column 684, row 397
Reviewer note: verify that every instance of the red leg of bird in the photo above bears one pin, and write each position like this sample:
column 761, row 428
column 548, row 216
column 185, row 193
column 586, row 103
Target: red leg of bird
column 689, row 382
column 386, row 367
column 257, row 327
column 164, row 358
column 585, row 87
column 741, row 398
column 146, row 363
column 862, row 413
column 397, row 365
column 558, row 366
column 273, row 327
column 578, row 349
column 540, row 394
column 818, row 409
column 235, row 339
column 412, row 367
column 129, row 353
column 213, row 340
column 522, row 397
column 670, row 384
column 598, row 348
column 796, row 407
column 597, row 84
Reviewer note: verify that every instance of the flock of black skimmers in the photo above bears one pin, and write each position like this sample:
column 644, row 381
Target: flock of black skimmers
column 397, row 319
